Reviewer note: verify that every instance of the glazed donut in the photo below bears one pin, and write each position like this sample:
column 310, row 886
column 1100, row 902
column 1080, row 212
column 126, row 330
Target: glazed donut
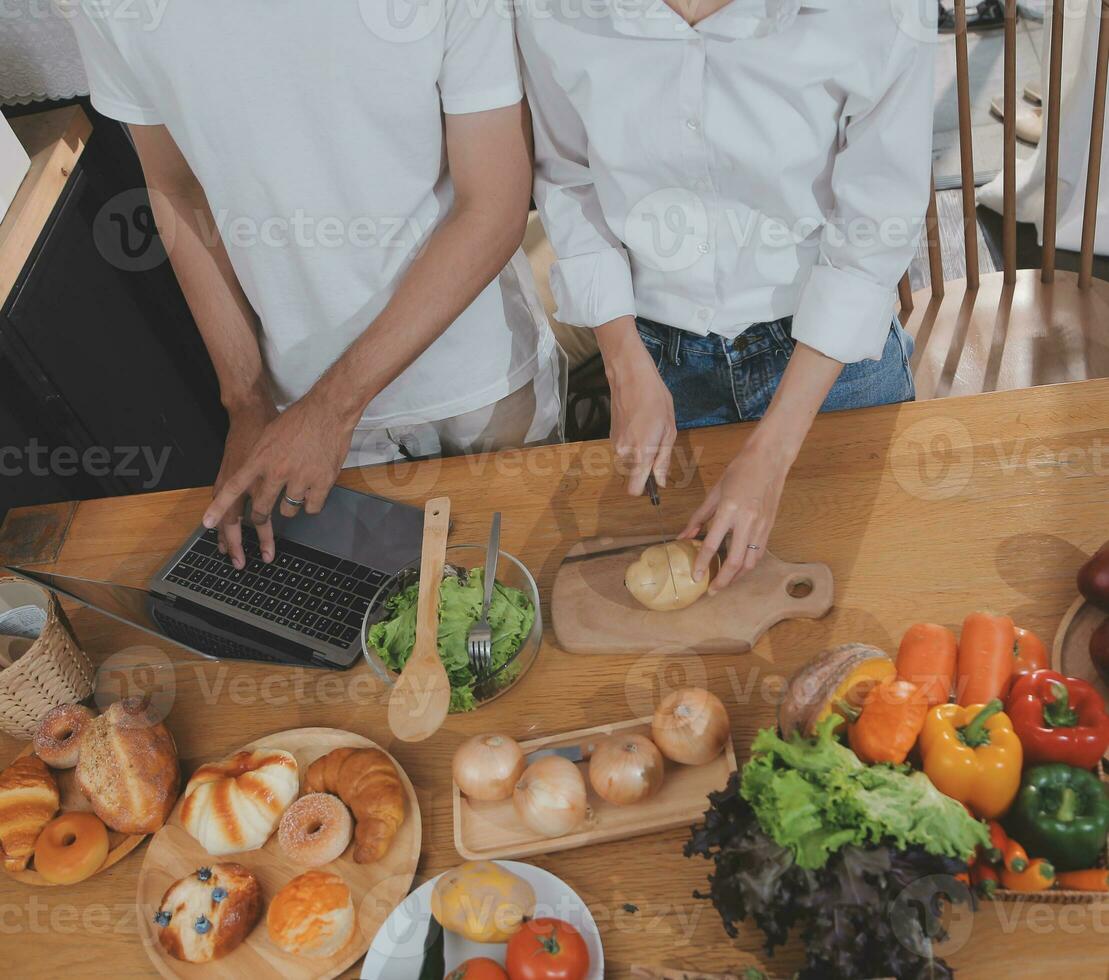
column 315, row 829
column 59, row 734
column 71, row 848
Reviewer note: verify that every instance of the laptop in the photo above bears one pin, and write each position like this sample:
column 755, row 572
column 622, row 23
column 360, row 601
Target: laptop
column 304, row 609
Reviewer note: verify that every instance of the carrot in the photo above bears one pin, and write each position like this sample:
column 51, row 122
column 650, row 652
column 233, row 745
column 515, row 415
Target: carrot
column 985, row 661
column 927, row 657
column 1089, row 880
column 984, row 878
column 1011, row 855
column 1029, row 653
column 1037, row 877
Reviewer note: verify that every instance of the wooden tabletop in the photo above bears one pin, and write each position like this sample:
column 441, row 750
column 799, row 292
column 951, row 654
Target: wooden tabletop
column 923, row 511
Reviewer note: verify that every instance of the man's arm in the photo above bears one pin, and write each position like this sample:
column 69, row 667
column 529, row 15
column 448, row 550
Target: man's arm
column 222, row 313
column 303, row 450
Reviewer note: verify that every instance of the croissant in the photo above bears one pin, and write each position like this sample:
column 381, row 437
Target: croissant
column 28, row 799
column 366, row 781
column 235, row 804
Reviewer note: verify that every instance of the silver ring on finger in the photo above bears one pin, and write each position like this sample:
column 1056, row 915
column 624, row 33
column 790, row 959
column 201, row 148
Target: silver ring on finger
column 754, row 547
column 292, row 501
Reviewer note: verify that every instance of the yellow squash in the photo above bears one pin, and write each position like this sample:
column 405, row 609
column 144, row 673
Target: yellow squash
column 482, row 901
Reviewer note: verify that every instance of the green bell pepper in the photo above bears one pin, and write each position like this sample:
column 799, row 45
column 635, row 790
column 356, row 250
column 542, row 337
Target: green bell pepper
column 1062, row 814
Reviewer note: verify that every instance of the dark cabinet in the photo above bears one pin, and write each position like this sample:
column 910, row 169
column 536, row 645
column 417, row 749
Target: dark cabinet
column 105, row 385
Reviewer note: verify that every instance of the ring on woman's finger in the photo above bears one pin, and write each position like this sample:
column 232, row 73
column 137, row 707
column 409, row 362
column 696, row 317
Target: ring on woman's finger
column 754, row 547
column 292, row 501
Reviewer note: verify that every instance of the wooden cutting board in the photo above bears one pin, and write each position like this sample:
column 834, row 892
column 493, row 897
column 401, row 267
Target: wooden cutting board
column 592, row 611
column 376, row 889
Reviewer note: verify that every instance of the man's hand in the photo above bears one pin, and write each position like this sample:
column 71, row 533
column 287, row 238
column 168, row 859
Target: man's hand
column 643, row 429
column 243, row 435
column 744, row 504
column 299, row 454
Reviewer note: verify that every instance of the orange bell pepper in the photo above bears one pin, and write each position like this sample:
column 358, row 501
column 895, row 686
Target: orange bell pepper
column 972, row 755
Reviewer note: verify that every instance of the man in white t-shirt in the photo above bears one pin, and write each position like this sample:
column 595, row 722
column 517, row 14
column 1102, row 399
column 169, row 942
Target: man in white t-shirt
column 360, row 301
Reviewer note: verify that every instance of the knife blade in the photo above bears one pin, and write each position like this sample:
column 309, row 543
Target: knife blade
column 575, row 753
column 656, row 502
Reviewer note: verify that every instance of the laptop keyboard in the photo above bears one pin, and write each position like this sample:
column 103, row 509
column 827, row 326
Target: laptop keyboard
column 316, row 594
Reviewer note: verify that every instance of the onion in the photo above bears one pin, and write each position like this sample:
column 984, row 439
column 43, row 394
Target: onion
column 691, row 726
column 487, row 767
column 550, row 796
column 626, row 769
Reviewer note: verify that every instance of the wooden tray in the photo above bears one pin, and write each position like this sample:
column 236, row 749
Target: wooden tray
column 487, row 831
column 119, row 845
column 375, row 888
column 592, row 611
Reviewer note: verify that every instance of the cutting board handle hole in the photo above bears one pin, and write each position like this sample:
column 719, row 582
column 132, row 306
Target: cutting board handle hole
column 799, row 588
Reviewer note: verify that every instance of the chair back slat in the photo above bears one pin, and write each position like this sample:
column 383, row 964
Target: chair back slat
column 1009, row 162
column 1097, row 136
column 935, row 256
column 905, row 295
column 966, row 146
column 1051, row 169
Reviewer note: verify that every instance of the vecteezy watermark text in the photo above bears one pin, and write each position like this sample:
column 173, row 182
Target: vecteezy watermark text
column 142, row 462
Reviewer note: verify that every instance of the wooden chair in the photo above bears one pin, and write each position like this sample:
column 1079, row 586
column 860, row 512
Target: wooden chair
column 1018, row 327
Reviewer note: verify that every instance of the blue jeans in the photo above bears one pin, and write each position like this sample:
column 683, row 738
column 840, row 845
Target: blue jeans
column 714, row 381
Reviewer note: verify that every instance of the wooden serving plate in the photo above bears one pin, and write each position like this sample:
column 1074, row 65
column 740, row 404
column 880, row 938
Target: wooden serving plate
column 488, row 831
column 592, row 611
column 119, row 845
column 1070, row 653
column 376, row 889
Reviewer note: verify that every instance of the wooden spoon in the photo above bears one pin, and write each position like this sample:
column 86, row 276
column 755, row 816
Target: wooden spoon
column 422, row 694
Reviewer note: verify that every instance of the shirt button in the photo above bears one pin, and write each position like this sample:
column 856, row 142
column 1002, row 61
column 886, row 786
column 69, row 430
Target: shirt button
column 703, row 313
column 703, row 184
column 703, row 248
column 693, row 124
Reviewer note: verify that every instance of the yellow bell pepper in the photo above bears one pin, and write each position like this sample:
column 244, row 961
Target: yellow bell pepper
column 972, row 755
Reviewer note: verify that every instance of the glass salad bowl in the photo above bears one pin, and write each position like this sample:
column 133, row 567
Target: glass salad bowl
column 468, row 691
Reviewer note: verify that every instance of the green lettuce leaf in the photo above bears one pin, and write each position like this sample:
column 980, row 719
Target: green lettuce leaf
column 511, row 616
column 815, row 797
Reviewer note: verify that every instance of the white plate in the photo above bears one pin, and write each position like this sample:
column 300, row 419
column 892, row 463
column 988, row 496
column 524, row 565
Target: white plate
column 398, row 948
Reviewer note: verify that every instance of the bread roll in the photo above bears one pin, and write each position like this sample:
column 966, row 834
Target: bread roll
column 206, row 915
column 313, row 915
column 28, row 800
column 650, row 583
column 127, row 768
column 234, row 805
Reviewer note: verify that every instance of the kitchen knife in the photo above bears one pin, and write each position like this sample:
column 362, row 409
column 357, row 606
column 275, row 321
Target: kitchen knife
column 575, row 753
column 652, row 494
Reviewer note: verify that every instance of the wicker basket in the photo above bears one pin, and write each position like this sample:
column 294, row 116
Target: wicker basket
column 53, row 671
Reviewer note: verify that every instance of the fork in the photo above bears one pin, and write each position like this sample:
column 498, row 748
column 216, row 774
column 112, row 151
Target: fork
column 479, row 641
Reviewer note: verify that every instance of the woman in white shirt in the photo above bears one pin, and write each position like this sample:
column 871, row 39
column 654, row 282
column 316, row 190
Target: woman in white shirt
column 733, row 190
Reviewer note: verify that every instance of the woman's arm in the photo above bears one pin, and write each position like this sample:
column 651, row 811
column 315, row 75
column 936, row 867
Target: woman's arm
column 745, row 501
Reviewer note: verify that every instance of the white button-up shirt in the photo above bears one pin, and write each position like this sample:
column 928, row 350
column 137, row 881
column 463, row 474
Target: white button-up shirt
column 774, row 159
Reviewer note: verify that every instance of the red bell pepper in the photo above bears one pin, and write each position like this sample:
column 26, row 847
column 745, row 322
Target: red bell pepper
column 1058, row 719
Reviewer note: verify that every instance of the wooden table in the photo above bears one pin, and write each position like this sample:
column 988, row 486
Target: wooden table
column 923, row 511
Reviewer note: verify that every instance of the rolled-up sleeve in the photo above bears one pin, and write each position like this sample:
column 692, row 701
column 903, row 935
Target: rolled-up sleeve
column 591, row 280
column 881, row 181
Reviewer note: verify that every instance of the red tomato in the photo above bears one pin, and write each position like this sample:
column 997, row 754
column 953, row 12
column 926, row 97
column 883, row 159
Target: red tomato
column 547, row 949
column 479, row 968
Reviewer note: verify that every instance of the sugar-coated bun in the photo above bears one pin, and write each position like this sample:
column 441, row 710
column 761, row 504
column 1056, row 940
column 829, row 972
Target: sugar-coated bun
column 650, row 583
column 315, row 829
column 58, row 737
column 209, row 913
column 313, row 915
column 71, row 848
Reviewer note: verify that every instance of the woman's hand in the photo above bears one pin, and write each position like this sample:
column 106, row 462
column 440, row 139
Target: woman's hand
column 298, row 454
column 743, row 504
column 643, row 429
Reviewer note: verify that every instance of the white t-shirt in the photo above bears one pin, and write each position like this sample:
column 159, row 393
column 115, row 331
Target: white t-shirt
column 316, row 130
